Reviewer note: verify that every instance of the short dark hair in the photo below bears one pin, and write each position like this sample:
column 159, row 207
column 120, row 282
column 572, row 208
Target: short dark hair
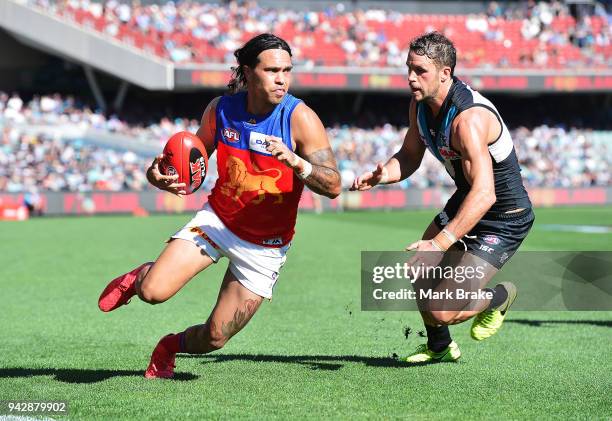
column 248, row 56
column 437, row 47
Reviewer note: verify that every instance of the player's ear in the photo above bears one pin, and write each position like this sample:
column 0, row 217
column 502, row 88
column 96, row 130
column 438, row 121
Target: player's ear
column 445, row 74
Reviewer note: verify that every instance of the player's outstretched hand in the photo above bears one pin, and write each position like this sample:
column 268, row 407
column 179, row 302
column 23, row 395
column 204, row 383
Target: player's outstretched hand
column 370, row 179
column 164, row 182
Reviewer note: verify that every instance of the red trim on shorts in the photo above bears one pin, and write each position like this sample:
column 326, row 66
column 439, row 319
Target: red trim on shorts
column 202, row 234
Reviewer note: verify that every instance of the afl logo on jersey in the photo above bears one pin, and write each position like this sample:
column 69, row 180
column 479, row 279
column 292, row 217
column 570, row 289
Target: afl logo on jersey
column 231, row 135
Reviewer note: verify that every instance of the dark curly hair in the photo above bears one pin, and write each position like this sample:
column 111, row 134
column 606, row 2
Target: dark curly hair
column 437, row 47
column 248, row 56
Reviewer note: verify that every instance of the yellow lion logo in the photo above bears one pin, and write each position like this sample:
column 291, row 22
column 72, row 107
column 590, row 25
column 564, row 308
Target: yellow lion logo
column 240, row 180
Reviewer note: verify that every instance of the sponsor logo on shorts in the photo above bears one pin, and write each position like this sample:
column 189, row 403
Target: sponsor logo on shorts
column 231, row 135
column 273, row 241
column 491, row 239
column 258, row 143
column 487, row 249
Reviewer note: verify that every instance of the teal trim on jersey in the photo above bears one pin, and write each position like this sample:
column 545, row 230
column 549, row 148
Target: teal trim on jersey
column 435, row 144
column 452, row 112
column 433, row 148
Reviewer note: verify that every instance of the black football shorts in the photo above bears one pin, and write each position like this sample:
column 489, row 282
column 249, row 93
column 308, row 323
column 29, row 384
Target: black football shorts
column 496, row 237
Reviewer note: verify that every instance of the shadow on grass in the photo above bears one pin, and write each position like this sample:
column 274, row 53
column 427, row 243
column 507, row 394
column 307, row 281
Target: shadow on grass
column 314, row 362
column 539, row 323
column 76, row 375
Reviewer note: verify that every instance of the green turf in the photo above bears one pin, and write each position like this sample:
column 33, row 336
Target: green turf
column 310, row 353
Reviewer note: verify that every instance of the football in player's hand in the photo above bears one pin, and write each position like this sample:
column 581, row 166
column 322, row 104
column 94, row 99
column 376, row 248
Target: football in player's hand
column 185, row 155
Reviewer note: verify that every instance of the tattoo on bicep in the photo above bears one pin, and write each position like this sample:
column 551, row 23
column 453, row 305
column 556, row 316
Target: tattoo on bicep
column 242, row 315
column 325, row 175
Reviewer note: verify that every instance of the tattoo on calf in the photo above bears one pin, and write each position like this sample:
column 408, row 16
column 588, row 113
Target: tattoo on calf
column 240, row 319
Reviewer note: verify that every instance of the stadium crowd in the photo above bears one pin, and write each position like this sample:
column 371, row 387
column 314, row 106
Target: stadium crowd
column 549, row 156
column 523, row 34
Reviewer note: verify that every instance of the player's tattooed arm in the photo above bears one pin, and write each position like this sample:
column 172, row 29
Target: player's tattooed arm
column 313, row 160
column 324, row 178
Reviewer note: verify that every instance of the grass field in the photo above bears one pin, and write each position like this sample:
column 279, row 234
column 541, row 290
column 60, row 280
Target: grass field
column 310, row 353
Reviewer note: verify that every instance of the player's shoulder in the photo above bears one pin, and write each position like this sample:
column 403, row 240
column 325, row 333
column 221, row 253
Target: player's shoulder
column 462, row 95
column 473, row 123
column 231, row 99
column 303, row 115
column 210, row 111
column 213, row 102
column 471, row 116
column 212, row 105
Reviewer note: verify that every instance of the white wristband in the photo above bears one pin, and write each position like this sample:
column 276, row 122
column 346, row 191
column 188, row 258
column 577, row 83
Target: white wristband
column 306, row 169
column 306, row 166
column 449, row 235
column 436, row 245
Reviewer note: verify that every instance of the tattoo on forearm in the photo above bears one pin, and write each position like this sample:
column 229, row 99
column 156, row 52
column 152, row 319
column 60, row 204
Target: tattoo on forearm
column 240, row 319
column 324, row 177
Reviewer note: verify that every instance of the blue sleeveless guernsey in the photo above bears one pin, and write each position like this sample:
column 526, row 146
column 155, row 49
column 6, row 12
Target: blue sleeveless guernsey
column 255, row 196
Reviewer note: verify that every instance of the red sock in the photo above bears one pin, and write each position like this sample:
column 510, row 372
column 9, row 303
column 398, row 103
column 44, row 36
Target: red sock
column 173, row 343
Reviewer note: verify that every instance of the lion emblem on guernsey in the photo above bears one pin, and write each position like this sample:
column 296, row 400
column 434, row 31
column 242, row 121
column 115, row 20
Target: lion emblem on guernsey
column 240, row 181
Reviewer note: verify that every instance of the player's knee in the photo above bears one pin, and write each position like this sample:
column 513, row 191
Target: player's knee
column 151, row 295
column 442, row 317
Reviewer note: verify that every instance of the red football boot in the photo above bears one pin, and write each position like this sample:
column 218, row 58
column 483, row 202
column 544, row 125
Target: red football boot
column 119, row 291
column 162, row 363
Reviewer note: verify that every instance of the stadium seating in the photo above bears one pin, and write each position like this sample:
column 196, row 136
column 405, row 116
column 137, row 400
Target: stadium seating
column 538, row 37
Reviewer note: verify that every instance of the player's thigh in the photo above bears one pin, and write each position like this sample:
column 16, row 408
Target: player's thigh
column 180, row 261
column 235, row 306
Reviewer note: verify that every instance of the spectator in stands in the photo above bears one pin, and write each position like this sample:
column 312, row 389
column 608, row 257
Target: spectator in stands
column 33, row 201
column 204, row 32
column 549, row 156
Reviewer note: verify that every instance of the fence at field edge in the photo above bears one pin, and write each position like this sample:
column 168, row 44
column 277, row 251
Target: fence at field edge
column 102, row 202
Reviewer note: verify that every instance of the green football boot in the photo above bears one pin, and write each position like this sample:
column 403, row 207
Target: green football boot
column 487, row 323
column 422, row 354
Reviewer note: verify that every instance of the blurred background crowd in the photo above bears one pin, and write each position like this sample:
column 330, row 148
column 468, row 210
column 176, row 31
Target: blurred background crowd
column 32, row 156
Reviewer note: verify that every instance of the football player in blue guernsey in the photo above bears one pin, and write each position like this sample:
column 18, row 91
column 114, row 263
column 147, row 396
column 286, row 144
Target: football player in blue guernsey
column 269, row 145
column 487, row 217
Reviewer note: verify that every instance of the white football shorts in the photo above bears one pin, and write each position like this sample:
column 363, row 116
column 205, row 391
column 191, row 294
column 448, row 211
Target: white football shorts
column 256, row 267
